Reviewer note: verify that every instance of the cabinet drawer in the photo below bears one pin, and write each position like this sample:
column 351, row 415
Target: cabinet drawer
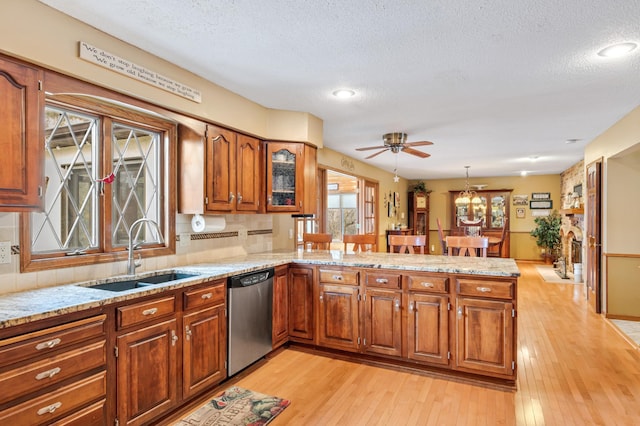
column 43, row 409
column 205, row 296
column 93, row 415
column 338, row 276
column 485, row 288
column 428, row 283
column 38, row 375
column 381, row 279
column 44, row 342
column 139, row 313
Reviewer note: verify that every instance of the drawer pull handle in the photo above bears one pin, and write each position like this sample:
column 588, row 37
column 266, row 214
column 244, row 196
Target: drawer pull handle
column 382, row 280
column 49, row 408
column 189, row 333
column 484, row 289
column 426, row 284
column 48, row 374
column 150, row 311
column 48, row 345
column 337, row 277
column 174, row 337
column 207, row 296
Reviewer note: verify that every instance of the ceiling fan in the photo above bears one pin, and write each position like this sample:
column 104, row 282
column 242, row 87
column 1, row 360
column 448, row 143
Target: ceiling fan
column 396, row 142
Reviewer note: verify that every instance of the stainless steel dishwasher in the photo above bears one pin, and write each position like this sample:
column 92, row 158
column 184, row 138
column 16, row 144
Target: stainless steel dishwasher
column 250, row 301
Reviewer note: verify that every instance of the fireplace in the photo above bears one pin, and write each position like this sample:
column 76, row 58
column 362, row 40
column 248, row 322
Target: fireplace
column 571, row 239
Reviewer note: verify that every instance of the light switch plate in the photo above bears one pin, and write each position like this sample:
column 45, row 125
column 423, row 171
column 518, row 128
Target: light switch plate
column 5, row 251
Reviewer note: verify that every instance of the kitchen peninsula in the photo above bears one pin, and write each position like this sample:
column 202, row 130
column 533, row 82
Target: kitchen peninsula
column 448, row 316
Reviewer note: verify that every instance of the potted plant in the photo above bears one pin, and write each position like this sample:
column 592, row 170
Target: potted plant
column 547, row 235
column 420, row 188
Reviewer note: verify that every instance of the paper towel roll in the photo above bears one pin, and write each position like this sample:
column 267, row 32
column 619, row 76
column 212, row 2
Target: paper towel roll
column 201, row 223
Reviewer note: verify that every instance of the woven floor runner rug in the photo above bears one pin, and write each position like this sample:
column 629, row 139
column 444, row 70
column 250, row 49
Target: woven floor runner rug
column 236, row 407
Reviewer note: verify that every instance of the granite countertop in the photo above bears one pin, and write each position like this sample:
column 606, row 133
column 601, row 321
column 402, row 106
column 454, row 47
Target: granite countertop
column 28, row 306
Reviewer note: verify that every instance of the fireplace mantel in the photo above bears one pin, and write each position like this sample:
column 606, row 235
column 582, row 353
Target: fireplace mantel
column 571, row 212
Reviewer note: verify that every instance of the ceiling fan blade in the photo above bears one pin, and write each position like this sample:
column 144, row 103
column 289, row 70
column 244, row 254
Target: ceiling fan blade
column 415, row 152
column 377, row 153
column 418, row 143
column 370, row 147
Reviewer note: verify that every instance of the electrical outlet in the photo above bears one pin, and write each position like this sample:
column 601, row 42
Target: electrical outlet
column 5, row 251
column 185, row 240
column 242, row 233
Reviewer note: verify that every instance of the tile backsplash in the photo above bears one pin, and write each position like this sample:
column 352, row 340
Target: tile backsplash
column 241, row 234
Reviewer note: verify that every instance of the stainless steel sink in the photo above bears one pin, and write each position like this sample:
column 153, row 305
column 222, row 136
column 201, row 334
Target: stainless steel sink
column 131, row 284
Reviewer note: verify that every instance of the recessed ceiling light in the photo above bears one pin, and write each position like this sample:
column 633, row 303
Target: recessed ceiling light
column 344, row 93
column 534, row 158
column 570, row 141
column 617, row 50
column 523, row 173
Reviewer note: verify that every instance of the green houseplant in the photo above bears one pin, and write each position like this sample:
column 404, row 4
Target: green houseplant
column 547, row 234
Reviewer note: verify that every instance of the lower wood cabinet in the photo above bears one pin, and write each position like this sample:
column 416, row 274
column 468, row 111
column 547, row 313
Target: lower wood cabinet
column 55, row 374
column 382, row 322
column 185, row 347
column 339, row 317
column 301, row 306
column 428, row 328
column 280, row 323
column 147, row 372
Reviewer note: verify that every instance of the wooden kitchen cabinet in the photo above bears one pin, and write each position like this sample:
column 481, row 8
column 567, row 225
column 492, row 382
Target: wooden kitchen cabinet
column 232, row 171
column 52, row 375
column 147, row 379
column 301, row 306
column 280, row 322
column 338, row 316
column 220, row 171
column 290, row 177
column 383, row 313
column 485, row 327
column 428, row 318
column 204, row 340
column 21, row 136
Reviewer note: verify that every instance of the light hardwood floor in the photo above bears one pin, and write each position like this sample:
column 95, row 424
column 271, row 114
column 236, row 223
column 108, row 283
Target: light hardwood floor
column 574, row 368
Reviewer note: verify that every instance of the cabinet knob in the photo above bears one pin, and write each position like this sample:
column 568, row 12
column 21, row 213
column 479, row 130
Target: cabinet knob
column 426, row 284
column 239, row 198
column 269, row 198
column 188, row 332
column 174, row 338
column 382, row 280
column 459, row 311
column 337, row 277
column 231, row 197
column 396, row 304
column 321, row 299
column 410, row 306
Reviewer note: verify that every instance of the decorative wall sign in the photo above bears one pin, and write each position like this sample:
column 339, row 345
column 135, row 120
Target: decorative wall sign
column 114, row 63
column 520, row 212
column 540, row 213
column 540, row 195
column 540, row 204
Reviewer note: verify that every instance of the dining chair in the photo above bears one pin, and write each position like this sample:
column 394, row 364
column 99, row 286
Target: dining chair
column 361, row 243
column 317, row 241
column 407, row 243
column 443, row 244
column 502, row 237
column 467, row 246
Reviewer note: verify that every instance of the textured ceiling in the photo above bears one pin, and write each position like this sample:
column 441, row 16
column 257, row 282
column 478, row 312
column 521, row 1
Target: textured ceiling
column 493, row 83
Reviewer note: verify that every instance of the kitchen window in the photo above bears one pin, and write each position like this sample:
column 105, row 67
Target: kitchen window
column 105, row 167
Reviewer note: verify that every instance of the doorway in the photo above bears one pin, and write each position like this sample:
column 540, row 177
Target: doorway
column 348, row 205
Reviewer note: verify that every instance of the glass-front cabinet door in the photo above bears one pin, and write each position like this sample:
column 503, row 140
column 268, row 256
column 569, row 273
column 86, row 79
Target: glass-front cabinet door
column 483, row 215
column 284, row 176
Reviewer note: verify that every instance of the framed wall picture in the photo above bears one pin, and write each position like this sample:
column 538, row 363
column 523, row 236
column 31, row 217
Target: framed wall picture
column 520, row 212
column 540, row 204
column 520, row 199
column 540, row 195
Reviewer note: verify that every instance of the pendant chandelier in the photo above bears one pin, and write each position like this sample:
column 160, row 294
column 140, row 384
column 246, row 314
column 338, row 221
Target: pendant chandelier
column 467, row 196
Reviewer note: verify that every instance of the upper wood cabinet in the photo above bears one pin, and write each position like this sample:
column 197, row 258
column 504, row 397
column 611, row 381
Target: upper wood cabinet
column 21, row 136
column 220, row 172
column 290, row 177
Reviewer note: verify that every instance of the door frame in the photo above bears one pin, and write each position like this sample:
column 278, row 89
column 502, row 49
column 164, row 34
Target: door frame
column 593, row 226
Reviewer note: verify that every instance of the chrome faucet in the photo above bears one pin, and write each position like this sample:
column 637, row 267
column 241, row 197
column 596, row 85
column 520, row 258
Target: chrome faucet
column 132, row 264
